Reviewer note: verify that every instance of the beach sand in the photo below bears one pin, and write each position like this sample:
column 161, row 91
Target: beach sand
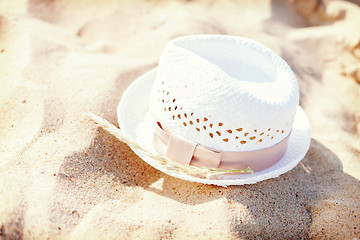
column 61, row 177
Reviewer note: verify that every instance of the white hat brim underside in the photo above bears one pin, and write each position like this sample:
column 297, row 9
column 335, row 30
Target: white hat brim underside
column 136, row 122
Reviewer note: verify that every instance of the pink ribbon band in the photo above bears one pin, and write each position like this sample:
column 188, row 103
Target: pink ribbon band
column 182, row 150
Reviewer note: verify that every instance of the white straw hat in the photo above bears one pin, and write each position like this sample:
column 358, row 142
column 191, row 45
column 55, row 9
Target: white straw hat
column 226, row 95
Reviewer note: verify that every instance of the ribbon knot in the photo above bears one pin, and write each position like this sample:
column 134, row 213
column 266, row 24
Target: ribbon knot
column 178, row 144
column 183, row 150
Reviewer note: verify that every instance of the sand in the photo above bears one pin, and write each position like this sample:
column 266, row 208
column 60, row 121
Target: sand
column 61, row 177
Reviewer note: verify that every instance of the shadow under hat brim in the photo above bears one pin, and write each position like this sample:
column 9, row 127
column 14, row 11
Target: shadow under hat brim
column 137, row 123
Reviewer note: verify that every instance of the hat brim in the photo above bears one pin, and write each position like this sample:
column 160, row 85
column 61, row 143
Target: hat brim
column 136, row 122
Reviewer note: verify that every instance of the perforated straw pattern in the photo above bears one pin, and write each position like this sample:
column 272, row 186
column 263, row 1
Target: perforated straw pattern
column 217, row 130
column 242, row 97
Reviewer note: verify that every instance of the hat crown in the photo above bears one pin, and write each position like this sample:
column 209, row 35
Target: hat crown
column 223, row 92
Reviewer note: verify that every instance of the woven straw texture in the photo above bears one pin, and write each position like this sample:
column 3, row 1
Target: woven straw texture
column 136, row 121
column 224, row 92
